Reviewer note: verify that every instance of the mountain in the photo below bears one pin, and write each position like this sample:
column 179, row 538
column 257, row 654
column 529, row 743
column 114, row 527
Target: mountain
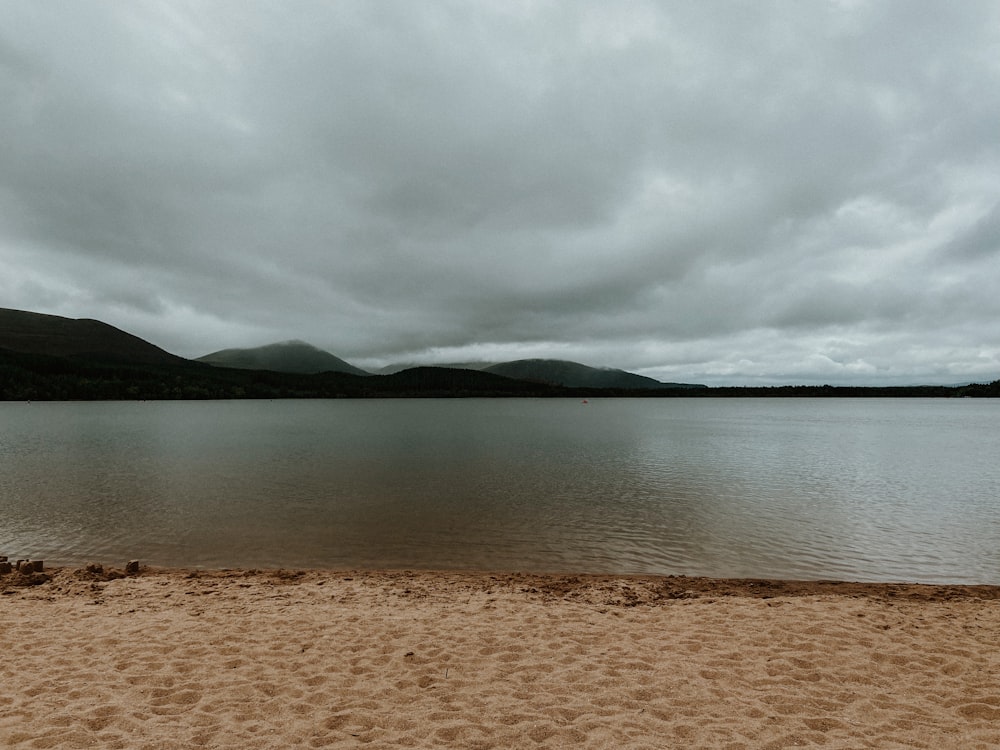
column 287, row 356
column 77, row 339
column 575, row 375
column 400, row 366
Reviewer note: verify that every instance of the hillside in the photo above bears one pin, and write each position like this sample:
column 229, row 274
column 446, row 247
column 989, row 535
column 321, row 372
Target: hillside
column 287, row 356
column 576, row 375
column 77, row 339
column 557, row 372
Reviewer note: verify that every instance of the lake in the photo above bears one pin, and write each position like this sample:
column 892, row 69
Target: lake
column 858, row 489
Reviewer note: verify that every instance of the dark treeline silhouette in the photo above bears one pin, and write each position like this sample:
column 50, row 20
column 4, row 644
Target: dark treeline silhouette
column 42, row 377
column 39, row 377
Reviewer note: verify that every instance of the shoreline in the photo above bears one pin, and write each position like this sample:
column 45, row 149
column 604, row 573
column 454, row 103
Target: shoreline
column 649, row 588
column 177, row 658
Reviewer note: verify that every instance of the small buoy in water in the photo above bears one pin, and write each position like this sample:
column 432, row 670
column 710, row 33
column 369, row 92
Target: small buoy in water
column 584, row 401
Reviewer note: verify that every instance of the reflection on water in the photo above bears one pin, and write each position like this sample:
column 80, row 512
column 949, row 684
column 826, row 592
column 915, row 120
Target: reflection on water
column 858, row 489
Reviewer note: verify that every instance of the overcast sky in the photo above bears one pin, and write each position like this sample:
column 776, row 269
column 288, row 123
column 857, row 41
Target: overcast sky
column 717, row 192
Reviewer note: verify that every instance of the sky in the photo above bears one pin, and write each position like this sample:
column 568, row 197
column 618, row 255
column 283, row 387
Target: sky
column 728, row 193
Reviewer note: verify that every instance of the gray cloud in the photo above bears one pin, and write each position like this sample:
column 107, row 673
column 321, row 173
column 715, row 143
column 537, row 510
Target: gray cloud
column 721, row 192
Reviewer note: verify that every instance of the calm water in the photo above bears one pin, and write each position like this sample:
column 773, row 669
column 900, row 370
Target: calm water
column 855, row 489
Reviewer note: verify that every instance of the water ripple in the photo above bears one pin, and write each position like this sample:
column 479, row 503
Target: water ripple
column 867, row 490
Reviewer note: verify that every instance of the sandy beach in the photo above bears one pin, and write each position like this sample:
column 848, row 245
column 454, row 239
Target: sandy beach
column 311, row 659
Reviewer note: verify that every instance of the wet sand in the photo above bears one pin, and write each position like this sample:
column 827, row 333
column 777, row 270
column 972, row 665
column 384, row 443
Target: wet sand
column 310, row 659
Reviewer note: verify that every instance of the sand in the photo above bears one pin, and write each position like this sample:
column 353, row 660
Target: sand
column 247, row 659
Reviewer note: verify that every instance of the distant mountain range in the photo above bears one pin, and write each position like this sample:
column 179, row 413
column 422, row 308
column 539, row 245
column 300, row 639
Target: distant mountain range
column 47, row 357
column 300, row 357
column 287, row 356
column 92, row 340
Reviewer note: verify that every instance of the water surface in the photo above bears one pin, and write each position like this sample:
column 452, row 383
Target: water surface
column 866, row 489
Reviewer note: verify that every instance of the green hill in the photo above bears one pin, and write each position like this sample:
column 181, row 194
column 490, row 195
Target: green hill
column 287, row 356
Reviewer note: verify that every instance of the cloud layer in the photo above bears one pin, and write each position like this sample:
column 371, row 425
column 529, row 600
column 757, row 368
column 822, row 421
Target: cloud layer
column 720, row 192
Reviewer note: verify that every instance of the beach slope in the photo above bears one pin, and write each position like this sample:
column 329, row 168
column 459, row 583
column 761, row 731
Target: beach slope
column 314, row 659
